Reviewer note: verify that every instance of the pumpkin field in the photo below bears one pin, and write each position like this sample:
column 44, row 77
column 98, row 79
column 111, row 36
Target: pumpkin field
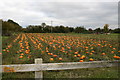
column 24, row 48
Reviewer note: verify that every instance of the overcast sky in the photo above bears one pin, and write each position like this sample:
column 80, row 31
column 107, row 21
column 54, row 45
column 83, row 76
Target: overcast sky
column 90, row 13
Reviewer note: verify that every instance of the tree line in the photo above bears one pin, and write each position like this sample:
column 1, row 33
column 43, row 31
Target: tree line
column 9, row 27
column 43, row 28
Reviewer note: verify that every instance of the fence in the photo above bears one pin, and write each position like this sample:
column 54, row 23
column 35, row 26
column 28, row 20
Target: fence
column 38, row 67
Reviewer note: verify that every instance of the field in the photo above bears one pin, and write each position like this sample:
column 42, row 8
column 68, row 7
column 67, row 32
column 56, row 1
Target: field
column 54, row 48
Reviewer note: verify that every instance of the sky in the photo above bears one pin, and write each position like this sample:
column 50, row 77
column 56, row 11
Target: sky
column 73, row 13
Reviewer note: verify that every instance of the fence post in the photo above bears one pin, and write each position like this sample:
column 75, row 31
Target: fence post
column 38, row 74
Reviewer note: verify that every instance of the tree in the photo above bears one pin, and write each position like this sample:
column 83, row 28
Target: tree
column 11, row 21
column 80, row 29
column 98, row 30
column 117, row 30
column 9, row 27
column 62, row 29
column 47, row 29
column 106, row 29
column 43, row 25
column 56, row 29
column 67, row 30
column 90, row 30
column 71, row 29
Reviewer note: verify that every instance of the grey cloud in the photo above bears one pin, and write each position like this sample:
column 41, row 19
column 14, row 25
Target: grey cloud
column 89, row 14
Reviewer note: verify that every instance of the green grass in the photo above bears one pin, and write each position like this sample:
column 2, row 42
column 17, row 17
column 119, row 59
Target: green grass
column 4, row 37
column 84, row 73
column 76, row 73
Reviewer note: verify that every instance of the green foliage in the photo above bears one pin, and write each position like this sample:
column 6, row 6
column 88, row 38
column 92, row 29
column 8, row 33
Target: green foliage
column 48, row 29
column 80, row 30
column 8, row 27
column 117, row 30
column 43, row 28
column 106, row 29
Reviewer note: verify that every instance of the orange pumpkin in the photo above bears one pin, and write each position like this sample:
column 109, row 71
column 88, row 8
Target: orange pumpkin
column 49, row 53
column 81, row 61
column 114, row 48
column 75, row 55
column 21, row 57
column 112, row 51
column 60, row 58
column 21, row 54
column 87, row 52
column 91, row 53
column 103, row 54
column 117, row 57
column 91, row 59
column 86, row 47
column 78, row 55
column 27, row 52
column 4, row 50
column 51, row 59
column 99, row 44
column 54, row 55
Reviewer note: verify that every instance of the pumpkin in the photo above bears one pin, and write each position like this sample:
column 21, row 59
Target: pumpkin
column 81, row 61
column 60, row 58
column 91, row 59
column 51, row 59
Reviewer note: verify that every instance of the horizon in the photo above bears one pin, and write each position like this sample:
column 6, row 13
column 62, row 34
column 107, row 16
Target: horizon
column 63, row 25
